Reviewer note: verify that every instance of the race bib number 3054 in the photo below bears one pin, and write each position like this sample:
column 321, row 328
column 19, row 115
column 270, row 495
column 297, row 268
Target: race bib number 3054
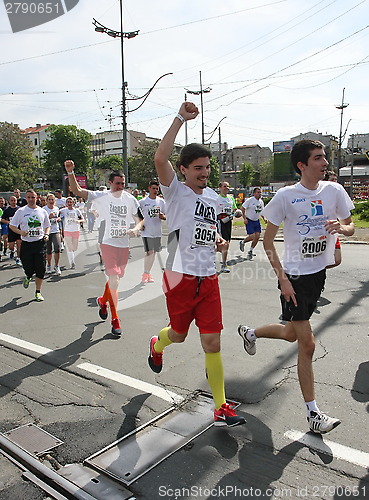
column 204, row 234
column 313, row 246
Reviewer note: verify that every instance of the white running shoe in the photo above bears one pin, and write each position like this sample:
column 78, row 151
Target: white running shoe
column 320, row 423
column 48, row 269
column 249, row 345
column 224, row 268
column 57, row 270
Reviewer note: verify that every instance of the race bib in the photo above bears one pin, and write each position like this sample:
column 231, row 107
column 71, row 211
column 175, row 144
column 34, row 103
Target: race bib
column 33, row 233
column 70, row 221
column 153, row 212
column 117, row 232
column 313, row 246
column 204, row 234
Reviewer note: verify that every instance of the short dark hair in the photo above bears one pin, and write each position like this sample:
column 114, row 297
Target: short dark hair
column 255, row 189
column 191, row 152
column 58, row 191
column 301, row 152
column 116, row 173
column 154, row 182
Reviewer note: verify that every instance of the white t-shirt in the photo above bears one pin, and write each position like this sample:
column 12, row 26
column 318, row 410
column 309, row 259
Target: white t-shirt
column 33, row 220
column 191, row 220
column 60, row 202
column 151, row 207
column 70, row 219
column 117, row 210
column 253, row 208
column 227, row 204
column 309, row 248
column 54, row 212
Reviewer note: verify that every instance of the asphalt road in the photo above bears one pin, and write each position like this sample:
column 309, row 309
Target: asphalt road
column 62, row 370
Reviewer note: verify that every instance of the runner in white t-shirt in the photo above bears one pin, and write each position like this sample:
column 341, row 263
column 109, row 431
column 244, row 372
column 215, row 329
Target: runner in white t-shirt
column 251, row 211
column 72, row 219
column 190, row 281
column 117, row 209
column 54, row 237
column 33, row 224
column 153, row 211
column 309, row 211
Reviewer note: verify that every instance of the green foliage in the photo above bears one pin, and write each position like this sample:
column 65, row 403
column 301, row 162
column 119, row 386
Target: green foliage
column 18, row 168
column 214, row 177
column 246, row 174
column 265, row 172
column 362, row 210
column 104, row 166
column 66, row 142
column 141, row 167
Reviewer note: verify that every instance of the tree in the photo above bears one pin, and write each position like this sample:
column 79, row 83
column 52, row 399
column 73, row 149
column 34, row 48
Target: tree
column 104, row 166
column 141, row 167
column 265, row 172
column 18, row 168
column 246, row 174
column 214, row 177
column 66, row 142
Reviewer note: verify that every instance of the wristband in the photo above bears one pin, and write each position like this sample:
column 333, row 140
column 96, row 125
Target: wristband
column 180, row 117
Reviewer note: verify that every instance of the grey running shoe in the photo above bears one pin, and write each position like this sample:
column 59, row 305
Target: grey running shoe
column 248, row 345
column 320, row 423
column 242, row 246
column 26, row 282
column 250, row 255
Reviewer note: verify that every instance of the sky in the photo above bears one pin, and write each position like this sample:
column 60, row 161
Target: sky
column 270, row 69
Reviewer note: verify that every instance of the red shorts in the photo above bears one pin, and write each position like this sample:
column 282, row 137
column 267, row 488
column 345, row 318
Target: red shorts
column 115, row 259
column 72, row 234
column 338, row 244
column 191, row 298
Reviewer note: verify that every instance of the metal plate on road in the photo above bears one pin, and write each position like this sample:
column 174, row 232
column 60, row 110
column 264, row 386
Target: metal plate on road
column 33, row 439
column 134, row 455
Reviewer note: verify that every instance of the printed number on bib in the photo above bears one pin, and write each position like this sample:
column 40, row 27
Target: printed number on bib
column 313, row 246
column 117, row 232
column 204, row 234
column 33, row 233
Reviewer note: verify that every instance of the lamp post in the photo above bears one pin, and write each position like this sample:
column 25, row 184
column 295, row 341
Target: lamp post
column 100, row 28
column 200, row 93
column 342, row 106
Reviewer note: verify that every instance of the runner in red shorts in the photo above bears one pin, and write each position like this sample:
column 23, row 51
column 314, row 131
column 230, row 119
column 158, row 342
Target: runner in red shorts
column 190, row 281
column 117, row 208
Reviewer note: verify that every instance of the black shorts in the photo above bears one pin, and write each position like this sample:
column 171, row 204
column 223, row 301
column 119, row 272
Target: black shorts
column 33, row 258
column 12, row 236
column 225, row 230
column 308, row 288
column 151, row 244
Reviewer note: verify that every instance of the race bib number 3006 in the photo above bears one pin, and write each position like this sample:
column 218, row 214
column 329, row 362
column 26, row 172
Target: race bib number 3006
column 313, row 246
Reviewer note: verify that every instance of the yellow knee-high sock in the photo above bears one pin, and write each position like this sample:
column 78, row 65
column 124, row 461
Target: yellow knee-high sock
column 215, row 374
column 163, row 340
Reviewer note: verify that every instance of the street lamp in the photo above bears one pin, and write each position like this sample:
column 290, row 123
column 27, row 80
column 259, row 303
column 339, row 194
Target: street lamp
column 200, row 92
column 100, row 28
column 342, row 106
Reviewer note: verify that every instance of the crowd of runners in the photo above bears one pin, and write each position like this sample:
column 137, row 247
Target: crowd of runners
column 199, row 222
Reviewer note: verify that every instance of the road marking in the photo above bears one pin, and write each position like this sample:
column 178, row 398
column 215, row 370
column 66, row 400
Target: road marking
column 335, row 450
column 155, row 390
column 24, row 344
column 140, row 385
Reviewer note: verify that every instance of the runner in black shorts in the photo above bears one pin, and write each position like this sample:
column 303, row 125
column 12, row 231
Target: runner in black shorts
column 313, row 213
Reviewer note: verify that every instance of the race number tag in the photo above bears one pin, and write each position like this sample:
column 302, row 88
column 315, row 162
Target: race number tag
column 34, row 233
column 70, row 222
column 118, row 232
column 313, row 246
column 204, row 234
